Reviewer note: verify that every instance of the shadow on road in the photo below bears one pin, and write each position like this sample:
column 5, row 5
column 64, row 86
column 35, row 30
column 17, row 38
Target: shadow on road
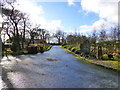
column 6, row 79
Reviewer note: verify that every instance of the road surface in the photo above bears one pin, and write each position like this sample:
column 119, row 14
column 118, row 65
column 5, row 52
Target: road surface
column 37, row 71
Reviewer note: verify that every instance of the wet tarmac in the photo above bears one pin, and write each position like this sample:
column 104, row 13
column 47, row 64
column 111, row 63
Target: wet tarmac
column 55, row 69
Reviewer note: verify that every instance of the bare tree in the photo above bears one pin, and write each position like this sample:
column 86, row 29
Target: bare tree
column 59, row 35
column 13, row 16
column 24, row 23
column 102, row 35
column 32, row 34
column 115, row 35
column 93, row 41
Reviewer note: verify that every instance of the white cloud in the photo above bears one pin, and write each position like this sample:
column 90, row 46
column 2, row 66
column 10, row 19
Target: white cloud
column 101, row 22
column 36, row 12
column 107, row 9
column 95, row 26
column 32, row 9
column 71, row 2
column 85, row 28
column 53, row 25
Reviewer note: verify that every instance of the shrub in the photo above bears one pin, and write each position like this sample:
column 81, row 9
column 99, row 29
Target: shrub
column 14, row 47
column 24, row 52
column 47, row 47
column 77, row 51
column 65, row 46
column 70, row 47
column 105, row 56
column 117, row 55
column 73, row 49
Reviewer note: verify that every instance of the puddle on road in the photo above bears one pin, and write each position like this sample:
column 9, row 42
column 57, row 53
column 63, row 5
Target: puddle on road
column 49, row 59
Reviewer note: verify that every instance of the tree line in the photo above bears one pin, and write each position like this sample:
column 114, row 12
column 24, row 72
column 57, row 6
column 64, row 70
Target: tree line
column 18, row 27
column 107, row 39
column 22, row 33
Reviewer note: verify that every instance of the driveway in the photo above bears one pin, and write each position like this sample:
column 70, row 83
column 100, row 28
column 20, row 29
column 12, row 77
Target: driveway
column 55, row 69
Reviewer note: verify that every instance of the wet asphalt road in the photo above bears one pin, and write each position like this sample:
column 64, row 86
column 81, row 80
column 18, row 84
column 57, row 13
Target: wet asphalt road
column 35, row 71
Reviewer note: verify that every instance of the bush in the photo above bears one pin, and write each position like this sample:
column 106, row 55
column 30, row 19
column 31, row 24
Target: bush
column 24, row 52
column 14, row 48
column 65, row 46
column 70, row 47
column 105, row 56
column 77, row 51
column 73, row 49
column 47, row 47
column 117, row 55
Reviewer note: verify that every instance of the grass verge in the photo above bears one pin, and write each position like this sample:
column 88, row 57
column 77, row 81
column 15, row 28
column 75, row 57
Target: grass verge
column 25, row 52
column 109, row 64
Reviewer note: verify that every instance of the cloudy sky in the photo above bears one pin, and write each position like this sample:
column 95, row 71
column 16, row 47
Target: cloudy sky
column 70, row 15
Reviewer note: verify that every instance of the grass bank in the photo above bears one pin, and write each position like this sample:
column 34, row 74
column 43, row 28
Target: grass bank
column 109, row 64
column 25, row 51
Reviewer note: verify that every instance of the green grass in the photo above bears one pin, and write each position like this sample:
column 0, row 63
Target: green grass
column 48, row 47
column 78, row 57
column 108, row 64
column 24, row 52
column 111, row 64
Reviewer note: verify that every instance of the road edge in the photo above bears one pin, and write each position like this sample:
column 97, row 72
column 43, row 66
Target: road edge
column 92, row 61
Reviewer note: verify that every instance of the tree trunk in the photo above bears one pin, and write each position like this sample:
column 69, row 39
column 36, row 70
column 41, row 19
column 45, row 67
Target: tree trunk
column 17, row 41
column 58, row 40
column 0, row 48
column 23, row 39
